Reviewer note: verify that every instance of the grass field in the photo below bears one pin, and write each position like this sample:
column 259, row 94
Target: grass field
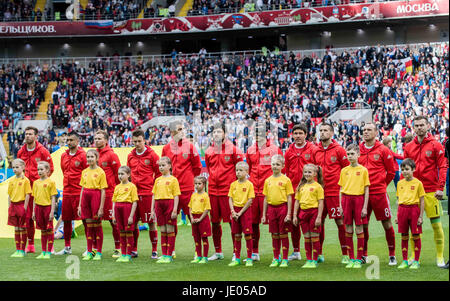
column 144, row 269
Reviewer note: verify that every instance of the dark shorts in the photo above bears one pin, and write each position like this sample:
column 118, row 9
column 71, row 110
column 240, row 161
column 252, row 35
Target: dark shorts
column 163, row 212
column 307, row 219
column 257, row 208
column 42, row 215
column 90, row 203
column 276, row 215
column 244, row 223
column 202, row 229
column 122, row 212
column 70, row 207
column 407, row 216
column 379, row 204
column 220, row 208
column 144, row 208
column 17, row 215
column 352, row 206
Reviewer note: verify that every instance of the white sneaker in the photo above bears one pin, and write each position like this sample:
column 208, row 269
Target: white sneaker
column 392, row 260
column 440, row 262
column 216, row 256
column 295, row 256
column 66, row 250
column 85, row 253
column 255, row 257
column 234, row 257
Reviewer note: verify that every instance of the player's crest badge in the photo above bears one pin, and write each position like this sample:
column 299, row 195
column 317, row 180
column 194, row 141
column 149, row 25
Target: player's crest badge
column 244, row 189
column 126, row 189
column 95, row 175
column 167, row 183
column 147, row 162
column 202, row 200
column 280, row 183
column 307, row 156
column 358, row 173
column 77, row 163
column 20, row 183
column 266, row 158
column 376, row 157
column 428, row 153
column 185, row 156
column 227, row 158
column 311, row 189
column 38, row 159
column 104, row 164
column 412, row 187
column 333, row 159
column 45, row 185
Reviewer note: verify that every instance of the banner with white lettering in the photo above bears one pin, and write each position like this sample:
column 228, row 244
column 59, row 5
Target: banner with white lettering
column 265, row 19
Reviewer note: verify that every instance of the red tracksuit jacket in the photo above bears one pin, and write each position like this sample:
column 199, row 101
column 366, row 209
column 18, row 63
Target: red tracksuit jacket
column 221, row 165
column 72, row 167
column 379, row 161
column 185, row 162
column 295, row 158
column 259, row 164
column 332, row 160
column 40, row 153
column 110, row 163
column 144, row 169
column 431, row 164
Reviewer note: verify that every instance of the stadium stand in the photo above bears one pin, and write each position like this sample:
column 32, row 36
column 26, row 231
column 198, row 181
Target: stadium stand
column 120, row 94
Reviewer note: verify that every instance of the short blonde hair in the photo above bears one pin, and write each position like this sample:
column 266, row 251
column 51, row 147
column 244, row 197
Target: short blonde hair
column 277, row 157
column 45, row 163
column 243, row 164
column 18, row 161
column 95, row 152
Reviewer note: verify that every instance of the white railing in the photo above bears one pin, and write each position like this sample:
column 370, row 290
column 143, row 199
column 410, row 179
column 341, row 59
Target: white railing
column 119, row 62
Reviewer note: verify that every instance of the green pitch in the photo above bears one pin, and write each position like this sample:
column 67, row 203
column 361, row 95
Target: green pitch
column 144, row 268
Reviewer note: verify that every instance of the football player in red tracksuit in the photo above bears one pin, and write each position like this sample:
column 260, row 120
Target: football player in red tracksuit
column 143, row 162
column 110, row 163
column 186, row 164
column 258, row 158
column 379, row 161
column 431, row 170
column 31, row 153
column 299, row 153
column 73, row 162
column 332, row 158
column 221, row 159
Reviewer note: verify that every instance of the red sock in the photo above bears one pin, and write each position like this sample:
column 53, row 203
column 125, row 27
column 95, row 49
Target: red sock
column 50, row 240
column 89, row 235
column 123, row 243
column 255, row 236
column 285, row 243
column 198, row 246
column 341, row 230
column 237, row 247
column 217, row 237
column 154, row 240
column 249, row 245
column 176, row 233
column 366, row 239
column 360, row 245
column 390, row 239
column 308, row 248
column 315, row 244
column 276, row 244
column 417, row 247
column 130, row 242
column 135, row 237
column 205, row 246
column 232, row 236
column 44, row 241
column 67, row 233
column 116, row 235
column 23, row 239
column 321, row 238
column 349, row 239
column 30, row 232
column 99, row 237
column 164, row 243
column 170, row 243
column 296, row 235
column 17, row 235
column 405, row 241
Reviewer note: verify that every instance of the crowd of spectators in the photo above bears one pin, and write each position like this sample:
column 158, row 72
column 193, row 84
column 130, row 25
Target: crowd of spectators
column 19, row 10
column 209, row 7
column 282, row 89
column 111, row 10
